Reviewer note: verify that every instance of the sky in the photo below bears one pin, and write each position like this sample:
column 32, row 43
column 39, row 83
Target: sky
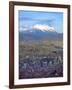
column 42, row 20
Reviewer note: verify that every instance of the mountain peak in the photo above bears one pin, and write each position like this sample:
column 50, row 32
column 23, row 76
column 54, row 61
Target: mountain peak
column 44, row 28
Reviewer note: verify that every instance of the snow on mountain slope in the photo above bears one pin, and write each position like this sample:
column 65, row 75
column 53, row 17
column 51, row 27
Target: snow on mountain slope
column 44, row 28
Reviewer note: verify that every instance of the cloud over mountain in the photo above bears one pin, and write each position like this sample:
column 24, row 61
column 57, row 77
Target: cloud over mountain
column 37, row 27
column 43, row 27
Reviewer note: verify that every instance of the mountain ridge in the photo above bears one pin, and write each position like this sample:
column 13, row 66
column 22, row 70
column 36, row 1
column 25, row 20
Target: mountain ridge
column 35, row 34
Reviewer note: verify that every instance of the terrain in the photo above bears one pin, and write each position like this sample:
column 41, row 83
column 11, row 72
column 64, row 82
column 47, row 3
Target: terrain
column 40, row 54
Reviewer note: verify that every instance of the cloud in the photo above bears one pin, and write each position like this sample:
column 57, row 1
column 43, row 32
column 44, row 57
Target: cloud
column 24, row 28
column 43, row 27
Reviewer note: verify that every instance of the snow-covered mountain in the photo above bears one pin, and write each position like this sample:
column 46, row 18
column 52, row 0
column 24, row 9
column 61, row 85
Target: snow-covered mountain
column 39, row 31
column 44, row 28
